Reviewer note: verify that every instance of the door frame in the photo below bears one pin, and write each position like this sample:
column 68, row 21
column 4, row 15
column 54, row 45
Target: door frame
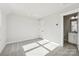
column 62, row 17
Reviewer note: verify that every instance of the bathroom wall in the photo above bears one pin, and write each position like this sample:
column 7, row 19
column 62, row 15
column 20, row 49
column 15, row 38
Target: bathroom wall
column 66, row 27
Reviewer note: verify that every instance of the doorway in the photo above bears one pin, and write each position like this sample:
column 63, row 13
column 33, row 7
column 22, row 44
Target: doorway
column 70, row 29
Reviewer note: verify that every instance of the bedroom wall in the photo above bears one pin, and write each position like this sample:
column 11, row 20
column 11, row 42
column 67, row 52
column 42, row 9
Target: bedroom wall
column 3, row 30
column 22, row 28
column 50, row 30
column 18, row 27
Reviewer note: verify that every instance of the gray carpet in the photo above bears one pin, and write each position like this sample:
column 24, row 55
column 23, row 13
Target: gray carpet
column 15, row 49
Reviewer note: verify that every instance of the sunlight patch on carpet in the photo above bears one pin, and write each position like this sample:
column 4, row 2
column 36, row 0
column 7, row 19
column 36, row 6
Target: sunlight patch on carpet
column 51, row 46
column 43, row 41
column 30, row 46
column 40, row 51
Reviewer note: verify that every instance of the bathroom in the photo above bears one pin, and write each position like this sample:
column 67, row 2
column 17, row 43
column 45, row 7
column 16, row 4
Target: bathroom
column 71, row 28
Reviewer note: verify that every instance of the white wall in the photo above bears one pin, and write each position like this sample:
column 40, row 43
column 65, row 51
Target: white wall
column 49, row 29
column 25, row 28
column 78, row 31
column 22, row 28
column 18, row 27
column 3, row 30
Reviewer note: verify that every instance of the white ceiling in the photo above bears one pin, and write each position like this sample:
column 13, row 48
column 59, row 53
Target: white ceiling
column 37, row 10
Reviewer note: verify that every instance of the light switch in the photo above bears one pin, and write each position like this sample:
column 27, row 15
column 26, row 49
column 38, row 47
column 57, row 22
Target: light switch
column 56, row 24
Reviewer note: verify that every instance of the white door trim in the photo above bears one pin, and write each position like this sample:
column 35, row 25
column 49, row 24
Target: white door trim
column 67, row 13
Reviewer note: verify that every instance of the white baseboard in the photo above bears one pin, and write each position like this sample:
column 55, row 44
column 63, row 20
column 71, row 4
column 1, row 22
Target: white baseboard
column 2, row 48
column 30, row 39
column 19, row 41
